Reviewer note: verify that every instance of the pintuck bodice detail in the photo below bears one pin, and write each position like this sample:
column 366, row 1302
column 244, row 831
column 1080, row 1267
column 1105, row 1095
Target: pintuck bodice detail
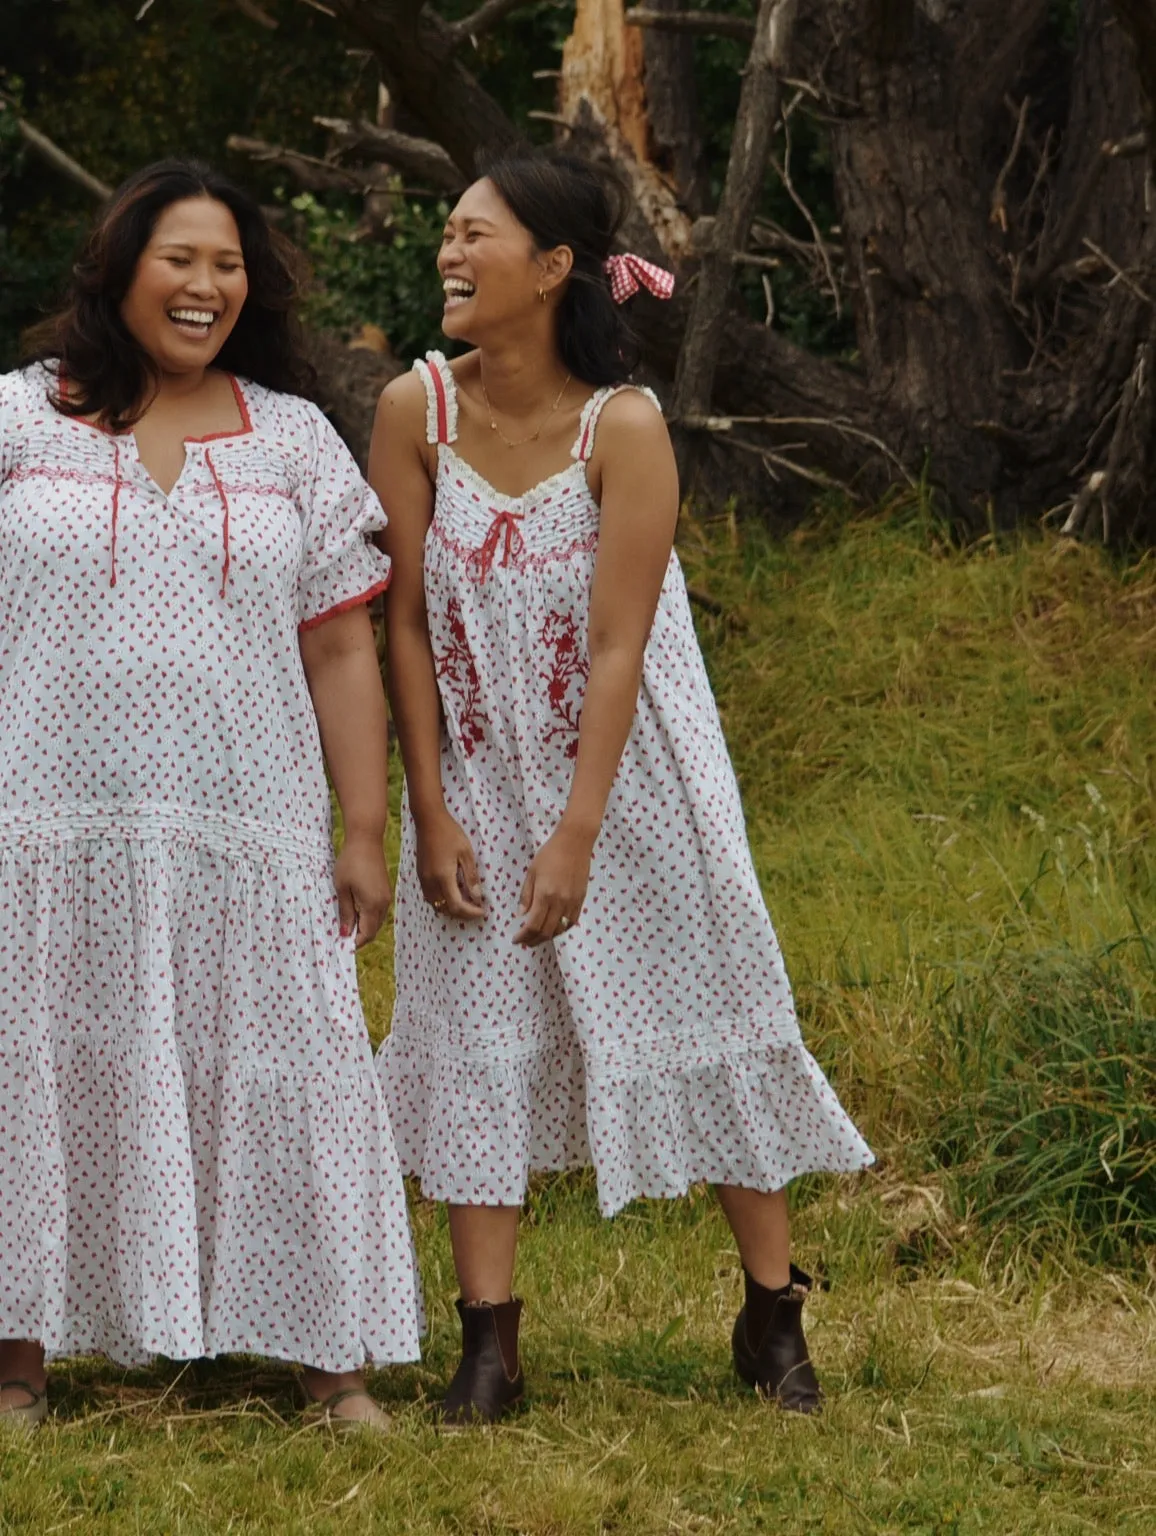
column 657, row 1038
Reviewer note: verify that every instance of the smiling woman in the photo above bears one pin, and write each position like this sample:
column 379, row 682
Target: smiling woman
column 177, row 242
column 200, row 1161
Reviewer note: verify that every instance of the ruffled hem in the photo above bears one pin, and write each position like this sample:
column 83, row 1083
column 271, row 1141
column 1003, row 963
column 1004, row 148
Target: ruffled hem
column 235, row 1210
column 474, row 1132
column 197, row 1158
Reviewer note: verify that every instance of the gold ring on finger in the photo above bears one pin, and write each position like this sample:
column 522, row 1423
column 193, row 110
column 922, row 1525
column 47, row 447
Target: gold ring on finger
column 563, row 922
column 438, row 903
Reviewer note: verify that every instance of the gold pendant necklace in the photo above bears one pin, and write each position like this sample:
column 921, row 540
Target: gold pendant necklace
column 534, row 436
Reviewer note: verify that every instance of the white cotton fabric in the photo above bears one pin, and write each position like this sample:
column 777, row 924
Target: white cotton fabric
column 658, row 1038
column 196, row 1156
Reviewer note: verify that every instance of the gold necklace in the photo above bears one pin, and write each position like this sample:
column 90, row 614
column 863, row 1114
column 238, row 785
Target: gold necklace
column 534, row 436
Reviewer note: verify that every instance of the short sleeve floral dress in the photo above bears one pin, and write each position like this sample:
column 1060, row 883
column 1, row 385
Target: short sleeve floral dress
column 195, row 1157
column 658, row 1038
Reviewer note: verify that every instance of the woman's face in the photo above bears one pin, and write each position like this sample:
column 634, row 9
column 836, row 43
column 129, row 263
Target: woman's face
column 189, row 286
column 490, row 270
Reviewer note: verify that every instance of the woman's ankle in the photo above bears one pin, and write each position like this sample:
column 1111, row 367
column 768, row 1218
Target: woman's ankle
column 23, row 1360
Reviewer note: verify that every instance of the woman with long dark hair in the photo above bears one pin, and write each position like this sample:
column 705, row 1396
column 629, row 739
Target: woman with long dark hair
column 586, row 971
column 196, row 1157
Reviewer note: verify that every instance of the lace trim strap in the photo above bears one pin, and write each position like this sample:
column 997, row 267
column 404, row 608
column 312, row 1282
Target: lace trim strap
column 441, row 398
column 592, row 411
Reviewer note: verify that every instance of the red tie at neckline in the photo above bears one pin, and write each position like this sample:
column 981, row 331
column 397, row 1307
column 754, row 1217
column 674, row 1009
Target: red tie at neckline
column 504, row 526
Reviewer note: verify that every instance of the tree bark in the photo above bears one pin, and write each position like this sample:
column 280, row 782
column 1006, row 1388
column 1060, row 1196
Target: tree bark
column 416, row 48
column 1000, row 263
column 672, row 106
column 758, row 111
column 603, row 99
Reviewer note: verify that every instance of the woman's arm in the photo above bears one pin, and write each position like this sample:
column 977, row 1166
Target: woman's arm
column 639, row 502
column 340, row 662
column 399, row 472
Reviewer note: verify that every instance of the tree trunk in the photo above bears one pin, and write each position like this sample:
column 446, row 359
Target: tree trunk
column 672, row 104
column 603, row 98
column 994, row 204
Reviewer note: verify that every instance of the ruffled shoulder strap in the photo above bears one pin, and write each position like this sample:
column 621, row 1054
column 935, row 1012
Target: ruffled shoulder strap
column 592, row 411
column 441, row 398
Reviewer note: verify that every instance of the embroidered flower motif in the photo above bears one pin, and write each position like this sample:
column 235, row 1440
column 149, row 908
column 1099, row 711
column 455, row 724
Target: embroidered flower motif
column 456, row 666
column 566, row 679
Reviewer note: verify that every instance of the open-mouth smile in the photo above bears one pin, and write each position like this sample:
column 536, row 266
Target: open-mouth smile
column 458, row 291
column 194, row 323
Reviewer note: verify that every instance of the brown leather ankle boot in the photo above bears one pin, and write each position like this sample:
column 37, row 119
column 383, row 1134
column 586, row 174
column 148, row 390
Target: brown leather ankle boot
column 488, row 1383
column 777, row 1364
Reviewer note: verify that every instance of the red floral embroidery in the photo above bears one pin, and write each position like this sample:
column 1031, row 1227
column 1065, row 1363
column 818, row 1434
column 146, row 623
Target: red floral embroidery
column 566, row 679
column 456, row 665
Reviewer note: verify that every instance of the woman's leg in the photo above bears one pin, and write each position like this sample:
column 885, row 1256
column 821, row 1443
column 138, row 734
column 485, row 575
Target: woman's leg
column 488, row 1382
column 762, row 1230
column 21, row 1360
column 484, row 1239
column 770, row 1348
column 344, row 1396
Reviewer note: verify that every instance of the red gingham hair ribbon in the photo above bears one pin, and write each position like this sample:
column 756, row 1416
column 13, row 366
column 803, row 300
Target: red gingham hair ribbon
column 629, row 273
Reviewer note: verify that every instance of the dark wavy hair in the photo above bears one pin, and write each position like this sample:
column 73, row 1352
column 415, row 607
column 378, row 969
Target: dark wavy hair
column 108, row 373
column 563, row 200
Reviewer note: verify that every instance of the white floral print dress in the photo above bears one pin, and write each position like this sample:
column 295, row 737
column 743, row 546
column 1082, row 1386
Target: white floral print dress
column 658, row 1038
column 195, row 1156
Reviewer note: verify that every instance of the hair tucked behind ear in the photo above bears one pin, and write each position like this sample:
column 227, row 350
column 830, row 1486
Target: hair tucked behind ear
column 563, row 200
column 107, row 372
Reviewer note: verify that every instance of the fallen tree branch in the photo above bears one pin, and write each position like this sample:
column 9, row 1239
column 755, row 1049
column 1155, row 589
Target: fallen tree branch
column 254, row 12
column 783, row 171
column 1114, row 266
column 759, row 102
column 1134, row 144
column 313, row 174
column 59, row 160
column 484, row 19
column 832, row 423
column 403, row 151
column 702, row 23
column 999, row 192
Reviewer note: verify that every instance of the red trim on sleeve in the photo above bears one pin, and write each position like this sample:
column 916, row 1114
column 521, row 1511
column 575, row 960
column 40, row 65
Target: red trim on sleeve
column 440, row 394
column 350, row 602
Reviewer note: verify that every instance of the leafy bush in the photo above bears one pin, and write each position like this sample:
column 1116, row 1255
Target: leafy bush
column 390, row 283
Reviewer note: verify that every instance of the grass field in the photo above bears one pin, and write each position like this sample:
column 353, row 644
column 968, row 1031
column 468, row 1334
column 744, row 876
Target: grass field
column 949, row 765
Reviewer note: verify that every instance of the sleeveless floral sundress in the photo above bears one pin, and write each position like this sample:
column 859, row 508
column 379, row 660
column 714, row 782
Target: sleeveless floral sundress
column 658, row 1038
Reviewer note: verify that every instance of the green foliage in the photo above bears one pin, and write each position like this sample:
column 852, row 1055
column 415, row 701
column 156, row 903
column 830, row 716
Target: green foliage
column 391, row 283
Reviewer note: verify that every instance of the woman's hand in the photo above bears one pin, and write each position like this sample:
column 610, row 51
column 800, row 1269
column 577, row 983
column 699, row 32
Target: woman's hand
column 363, row 889
column 555, row 887
column 447, row 870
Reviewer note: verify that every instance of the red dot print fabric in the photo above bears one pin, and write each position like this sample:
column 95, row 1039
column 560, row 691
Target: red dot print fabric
column 196, row 1154
column 658, row 1038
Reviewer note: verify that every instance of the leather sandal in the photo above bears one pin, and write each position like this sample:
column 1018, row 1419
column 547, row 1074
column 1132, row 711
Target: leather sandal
column 489, row 1383
column 777, row 1363
column 320, row 1410
column 23, row 1417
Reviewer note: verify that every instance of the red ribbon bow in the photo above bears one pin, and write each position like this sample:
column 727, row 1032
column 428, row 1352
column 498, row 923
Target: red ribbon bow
column 628, row 273
column 481, row 562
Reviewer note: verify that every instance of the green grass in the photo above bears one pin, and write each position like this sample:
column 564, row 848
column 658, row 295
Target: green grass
column 948, row 765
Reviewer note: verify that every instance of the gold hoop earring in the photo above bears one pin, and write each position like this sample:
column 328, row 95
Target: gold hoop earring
column 541, row 295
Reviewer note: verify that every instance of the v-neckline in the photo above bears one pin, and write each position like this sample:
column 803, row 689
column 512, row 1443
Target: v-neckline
column 129, row 435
